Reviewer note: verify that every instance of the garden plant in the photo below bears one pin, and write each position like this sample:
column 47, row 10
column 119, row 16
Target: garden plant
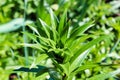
column 59, row 40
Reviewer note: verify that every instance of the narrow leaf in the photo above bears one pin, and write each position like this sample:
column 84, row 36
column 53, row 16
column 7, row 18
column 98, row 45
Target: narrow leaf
column 62, row 22
column 84, row 67
column 45, row 27
column 105, row 75
column 77, row 62
column 53, row 23
column 40, row 58
column 32, row 69
column 87, row 46
column 34, row 29
column 79, row 30
column 35, row 46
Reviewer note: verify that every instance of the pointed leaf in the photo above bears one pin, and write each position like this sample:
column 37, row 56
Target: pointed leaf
column 84, row 67
column 80, row 30
column 40, row 58
column 45, row 27
column 62, row 22
column 34, row 29
column 87, row 46
column 66, row 68
column 77, row 62
column 105, row 75
column 32, row 69
column 35, row 46
column 53, row 23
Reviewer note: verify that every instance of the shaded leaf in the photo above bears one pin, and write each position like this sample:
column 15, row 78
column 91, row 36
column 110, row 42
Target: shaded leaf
column 32, row 69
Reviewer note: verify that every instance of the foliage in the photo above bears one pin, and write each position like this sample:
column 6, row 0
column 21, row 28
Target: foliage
column 65, row 42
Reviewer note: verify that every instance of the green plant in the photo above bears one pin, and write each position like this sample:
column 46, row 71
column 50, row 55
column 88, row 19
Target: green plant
column 78, row 42
column 65, row 45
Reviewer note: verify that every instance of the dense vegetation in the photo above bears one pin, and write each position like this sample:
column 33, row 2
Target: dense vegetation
column 59, row 39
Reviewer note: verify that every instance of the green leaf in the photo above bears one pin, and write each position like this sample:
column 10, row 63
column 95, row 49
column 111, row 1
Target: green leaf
column 40, row 58
column 104, row 76
column 65, row 32
column 32, row 69
column 66, row 68
column 35, row 46
column 77, row 62
column 34, row 29
column 53, row 23
column 62, row 22
column 47, row 41
column 53, row 18
column 80, row 30
column 42, row 71
column 45, row 27
column 84, row 67
column 87, row 46
column 75, row 45
column 31, row 36
column 41, row 9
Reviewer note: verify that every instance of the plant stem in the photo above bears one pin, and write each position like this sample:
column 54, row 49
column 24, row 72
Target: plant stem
column 24, row 36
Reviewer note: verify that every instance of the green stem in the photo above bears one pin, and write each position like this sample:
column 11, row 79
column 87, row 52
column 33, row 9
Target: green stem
column 24, row 36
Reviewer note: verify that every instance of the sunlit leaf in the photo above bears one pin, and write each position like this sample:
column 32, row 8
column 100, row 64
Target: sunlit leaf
column 104, row 76
column 77, row 62
column 88, row 45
